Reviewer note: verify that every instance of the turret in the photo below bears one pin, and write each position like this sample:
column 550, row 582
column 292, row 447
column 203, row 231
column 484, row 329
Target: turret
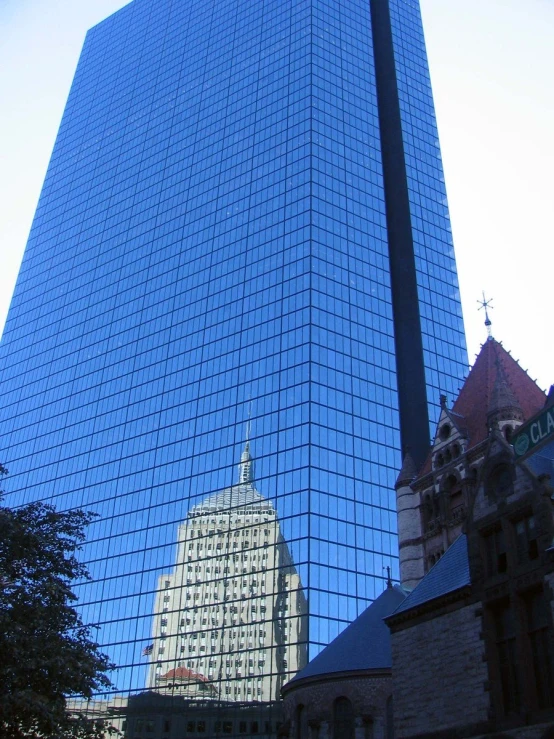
column 409, row 526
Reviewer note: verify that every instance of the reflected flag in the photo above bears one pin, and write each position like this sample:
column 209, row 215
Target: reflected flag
column 147, row 650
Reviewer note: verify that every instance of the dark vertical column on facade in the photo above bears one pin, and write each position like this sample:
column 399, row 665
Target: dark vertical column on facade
column 412, row 395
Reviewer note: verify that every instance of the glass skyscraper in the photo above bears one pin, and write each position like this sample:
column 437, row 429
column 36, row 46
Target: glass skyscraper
column 243, row 233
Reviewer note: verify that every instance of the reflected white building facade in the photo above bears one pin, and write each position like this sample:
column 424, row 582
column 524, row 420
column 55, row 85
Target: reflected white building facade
column 230, row 619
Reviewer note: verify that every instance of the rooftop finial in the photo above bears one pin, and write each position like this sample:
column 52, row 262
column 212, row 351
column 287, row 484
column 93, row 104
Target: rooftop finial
column 486, row 304
column 389, row 579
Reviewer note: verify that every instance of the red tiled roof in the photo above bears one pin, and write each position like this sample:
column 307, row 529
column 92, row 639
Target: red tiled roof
column 473, row 402
column 184, row 673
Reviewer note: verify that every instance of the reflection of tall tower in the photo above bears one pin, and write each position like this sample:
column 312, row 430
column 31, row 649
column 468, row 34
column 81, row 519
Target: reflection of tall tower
column 245, row 200
column 229, row 620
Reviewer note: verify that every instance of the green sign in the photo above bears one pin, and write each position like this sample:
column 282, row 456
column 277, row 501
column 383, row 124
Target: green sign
column 534, row 432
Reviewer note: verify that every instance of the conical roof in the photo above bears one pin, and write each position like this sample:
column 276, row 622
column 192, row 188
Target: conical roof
column 476, row 396
column 408, row 471
column 496, row 380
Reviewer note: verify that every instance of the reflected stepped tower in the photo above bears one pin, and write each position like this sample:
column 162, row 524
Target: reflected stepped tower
column 230, row 619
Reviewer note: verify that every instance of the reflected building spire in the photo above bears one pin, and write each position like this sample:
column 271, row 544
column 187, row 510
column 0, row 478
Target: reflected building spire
column 246, row 466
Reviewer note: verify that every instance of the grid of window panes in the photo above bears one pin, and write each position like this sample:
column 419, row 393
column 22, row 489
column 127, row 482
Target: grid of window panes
column 439, row 299
column 209, row 260
column 354, row 409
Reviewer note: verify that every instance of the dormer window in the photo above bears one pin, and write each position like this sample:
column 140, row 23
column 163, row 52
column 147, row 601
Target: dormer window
column 445, row 431
column 495, row 551
column 526, row 539
column 431, row 512
column 499, row 484
column 454, row 501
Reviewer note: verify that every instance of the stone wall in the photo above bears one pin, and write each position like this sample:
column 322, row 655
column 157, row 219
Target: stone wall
column 368, row 696
column 439, row 674
column 539, row 731
column 549, row 582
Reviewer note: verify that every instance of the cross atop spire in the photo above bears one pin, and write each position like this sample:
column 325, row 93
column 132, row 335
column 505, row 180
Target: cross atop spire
column 486, row 304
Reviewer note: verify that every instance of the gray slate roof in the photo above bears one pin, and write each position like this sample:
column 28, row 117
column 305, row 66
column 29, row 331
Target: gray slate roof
column 450, row 573
column 364, row 645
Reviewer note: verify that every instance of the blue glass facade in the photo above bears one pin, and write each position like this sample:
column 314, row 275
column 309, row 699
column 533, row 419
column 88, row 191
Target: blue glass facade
column 437, row 281
column 213, row 244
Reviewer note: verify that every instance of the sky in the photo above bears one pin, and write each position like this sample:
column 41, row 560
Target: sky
column 491, row 67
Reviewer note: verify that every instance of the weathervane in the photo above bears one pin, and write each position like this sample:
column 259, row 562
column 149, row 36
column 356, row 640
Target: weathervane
column 486, row 304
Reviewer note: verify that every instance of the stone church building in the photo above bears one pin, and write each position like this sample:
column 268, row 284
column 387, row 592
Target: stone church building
column 464, row 647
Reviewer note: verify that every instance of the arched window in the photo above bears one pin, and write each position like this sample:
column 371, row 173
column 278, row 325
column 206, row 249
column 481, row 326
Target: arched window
column 455, row 498
column 436, row 505
column 427, row 511
column 445, row 431
column 343, row 719
column 299, row 722
column 390, row 719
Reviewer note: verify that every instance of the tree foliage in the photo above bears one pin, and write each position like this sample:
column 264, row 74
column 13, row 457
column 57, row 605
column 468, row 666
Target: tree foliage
column 47, row 653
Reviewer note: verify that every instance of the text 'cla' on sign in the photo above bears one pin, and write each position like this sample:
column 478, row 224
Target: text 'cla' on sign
column 534, row 432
